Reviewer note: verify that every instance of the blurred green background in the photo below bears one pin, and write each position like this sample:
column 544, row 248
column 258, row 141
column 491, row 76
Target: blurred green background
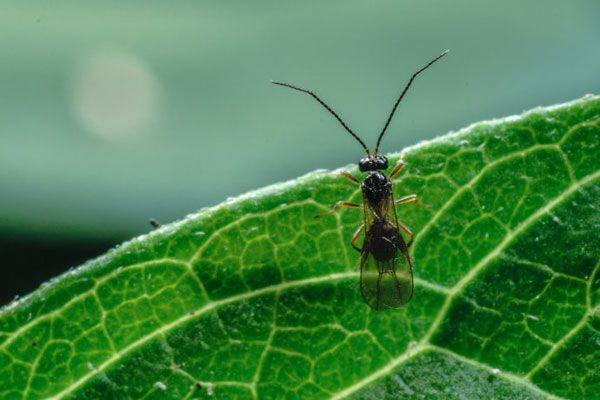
column 113, row 112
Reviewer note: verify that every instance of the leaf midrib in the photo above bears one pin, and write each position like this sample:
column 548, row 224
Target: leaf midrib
column 216, row 305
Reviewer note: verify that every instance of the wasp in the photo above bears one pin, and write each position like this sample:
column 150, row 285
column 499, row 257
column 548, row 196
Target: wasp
column 386, row 268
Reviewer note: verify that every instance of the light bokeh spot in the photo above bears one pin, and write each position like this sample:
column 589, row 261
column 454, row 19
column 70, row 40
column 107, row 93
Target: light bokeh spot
column 115, row 95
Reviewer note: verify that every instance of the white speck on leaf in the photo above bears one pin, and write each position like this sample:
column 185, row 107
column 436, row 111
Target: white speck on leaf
column 495, row 371
column 160, row 385
column 403, row 384
column 209, row 389
column 199, row 233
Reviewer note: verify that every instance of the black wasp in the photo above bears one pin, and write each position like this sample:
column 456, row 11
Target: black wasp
column 386, row 279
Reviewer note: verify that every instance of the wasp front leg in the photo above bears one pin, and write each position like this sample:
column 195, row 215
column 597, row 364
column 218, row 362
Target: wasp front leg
column 397, row 169
column 350, row 177
column 356, row 236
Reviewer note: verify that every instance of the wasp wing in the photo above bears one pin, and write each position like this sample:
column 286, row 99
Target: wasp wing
column 386, row 279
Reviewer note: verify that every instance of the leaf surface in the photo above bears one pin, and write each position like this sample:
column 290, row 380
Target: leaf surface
column 257, row 298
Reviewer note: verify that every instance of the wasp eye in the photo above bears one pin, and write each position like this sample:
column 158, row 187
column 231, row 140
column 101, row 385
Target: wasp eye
column 381, row 162
column 366, row 164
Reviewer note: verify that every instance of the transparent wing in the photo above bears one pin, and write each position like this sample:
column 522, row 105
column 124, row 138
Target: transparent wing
column 386, row 284
column 386, row 281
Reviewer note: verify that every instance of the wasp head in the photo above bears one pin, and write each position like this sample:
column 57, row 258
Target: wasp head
column 373, row 163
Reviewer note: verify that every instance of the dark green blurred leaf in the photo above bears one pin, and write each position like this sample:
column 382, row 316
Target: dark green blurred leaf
column 257, row 298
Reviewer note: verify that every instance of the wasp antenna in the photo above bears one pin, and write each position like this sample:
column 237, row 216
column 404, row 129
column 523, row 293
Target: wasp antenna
column 328, row 109
column 412, row 78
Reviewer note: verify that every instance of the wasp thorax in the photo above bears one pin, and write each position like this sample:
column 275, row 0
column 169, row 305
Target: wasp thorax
column 376, row 187
column 372, row 163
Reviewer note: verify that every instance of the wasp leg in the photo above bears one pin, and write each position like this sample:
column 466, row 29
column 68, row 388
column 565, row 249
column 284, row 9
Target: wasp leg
column 379, row 289
column 350, row 177
column 411, row 198
column 408, row 232
column 356, row 236
column 407, row 199
column 338, row 205
column 397, row 168
column 346, row 204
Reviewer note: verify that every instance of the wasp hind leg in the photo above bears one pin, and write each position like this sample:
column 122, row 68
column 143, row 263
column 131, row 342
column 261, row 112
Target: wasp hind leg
column 408, row 232
column 356, row 236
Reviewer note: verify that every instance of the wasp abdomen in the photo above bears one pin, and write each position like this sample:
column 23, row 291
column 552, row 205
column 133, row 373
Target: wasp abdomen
column 383, row 240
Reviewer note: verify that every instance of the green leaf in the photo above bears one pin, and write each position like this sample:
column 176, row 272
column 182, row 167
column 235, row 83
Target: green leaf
column 257, row 298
